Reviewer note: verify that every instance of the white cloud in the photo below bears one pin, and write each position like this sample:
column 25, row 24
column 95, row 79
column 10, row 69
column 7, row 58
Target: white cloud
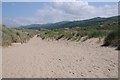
column 19, row 21
column 66, row 11
column 58, row 0
column 76, row 10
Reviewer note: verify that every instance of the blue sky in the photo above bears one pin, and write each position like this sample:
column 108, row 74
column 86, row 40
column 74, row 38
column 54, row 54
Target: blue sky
column 15, row 14
column 58, row 0
column 24, row 9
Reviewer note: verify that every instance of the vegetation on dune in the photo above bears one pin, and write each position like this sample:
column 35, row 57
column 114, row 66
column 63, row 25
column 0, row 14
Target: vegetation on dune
column 103, row 28
column 108, row 30
column 73, row 35
column 113, row 39
column 110, row 33
column 15, row 35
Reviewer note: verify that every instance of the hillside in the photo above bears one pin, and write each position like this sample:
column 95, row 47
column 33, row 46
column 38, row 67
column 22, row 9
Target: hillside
column 98, row 21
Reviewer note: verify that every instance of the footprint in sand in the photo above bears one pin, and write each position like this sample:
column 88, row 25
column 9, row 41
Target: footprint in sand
column 96, row 67
column 59, row 59
column 80, row 59
column 82, row 74
column 109, row 70
column 89, row 71
column 72, row 73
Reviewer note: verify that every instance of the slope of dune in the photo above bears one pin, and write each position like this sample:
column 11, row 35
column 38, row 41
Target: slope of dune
column 0, row 62
column 59, row 59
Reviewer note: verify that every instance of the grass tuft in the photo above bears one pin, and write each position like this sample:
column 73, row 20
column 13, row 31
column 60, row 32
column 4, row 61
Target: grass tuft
column 113, row 39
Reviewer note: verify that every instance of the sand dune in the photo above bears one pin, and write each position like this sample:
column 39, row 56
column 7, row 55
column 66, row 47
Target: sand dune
column 59, row 59
column 0, row 62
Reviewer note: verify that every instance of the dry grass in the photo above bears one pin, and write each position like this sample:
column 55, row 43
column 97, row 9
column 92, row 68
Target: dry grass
column 9, row 36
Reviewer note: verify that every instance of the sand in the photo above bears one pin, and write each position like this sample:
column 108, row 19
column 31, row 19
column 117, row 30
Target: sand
column 0, row 62
column 59, row 59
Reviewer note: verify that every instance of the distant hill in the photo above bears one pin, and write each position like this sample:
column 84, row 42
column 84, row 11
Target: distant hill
column 71, row 24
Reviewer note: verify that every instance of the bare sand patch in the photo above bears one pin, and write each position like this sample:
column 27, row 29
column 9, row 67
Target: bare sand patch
column 59, row 59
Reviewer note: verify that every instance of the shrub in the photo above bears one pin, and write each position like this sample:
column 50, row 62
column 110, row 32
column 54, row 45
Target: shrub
column 113, row 39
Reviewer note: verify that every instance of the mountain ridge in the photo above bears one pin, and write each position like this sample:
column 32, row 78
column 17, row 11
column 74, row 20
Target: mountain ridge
column 97, row 21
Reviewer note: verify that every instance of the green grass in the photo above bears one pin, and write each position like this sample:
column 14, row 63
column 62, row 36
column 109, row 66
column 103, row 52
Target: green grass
column 10, row 36
column 73, row 35
column 113, row 39
column 110, row 34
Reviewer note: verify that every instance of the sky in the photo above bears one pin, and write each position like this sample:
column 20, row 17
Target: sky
column 15, row 14
column 58, row 0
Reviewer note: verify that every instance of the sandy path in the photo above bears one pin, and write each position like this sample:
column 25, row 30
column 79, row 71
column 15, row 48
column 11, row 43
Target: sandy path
column 59, row 59
column 0, row 62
